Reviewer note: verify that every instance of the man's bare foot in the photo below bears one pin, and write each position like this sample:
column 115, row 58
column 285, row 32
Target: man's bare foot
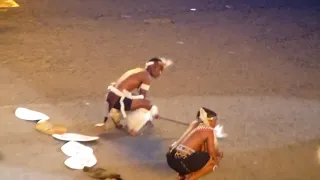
column 133, row 133
column 189, row 177
column 181, row 177
column 119, row 126
column 99, row 125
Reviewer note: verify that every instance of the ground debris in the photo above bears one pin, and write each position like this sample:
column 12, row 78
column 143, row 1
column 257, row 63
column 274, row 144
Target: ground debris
column 100, row 173
column 158, row 21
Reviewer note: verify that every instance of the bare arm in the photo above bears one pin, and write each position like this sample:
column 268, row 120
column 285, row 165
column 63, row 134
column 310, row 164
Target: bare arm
column 219, row 153
column 145, row 85
column 204, row 147
column 216, row 146
column 211, row 145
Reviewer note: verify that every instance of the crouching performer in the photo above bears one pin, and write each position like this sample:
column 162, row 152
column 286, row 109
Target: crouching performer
column 196, row 154
column 120, row 98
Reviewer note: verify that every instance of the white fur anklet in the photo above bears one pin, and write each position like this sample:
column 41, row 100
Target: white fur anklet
column 154, row 111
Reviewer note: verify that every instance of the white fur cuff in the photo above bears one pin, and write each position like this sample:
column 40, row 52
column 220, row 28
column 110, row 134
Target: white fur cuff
column 154, row 111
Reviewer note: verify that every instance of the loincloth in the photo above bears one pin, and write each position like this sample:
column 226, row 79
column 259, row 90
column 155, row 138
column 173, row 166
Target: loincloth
column 185, row 161
column 125, row 99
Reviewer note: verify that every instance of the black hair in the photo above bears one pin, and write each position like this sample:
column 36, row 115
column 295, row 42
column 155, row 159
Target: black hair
column 210, row 113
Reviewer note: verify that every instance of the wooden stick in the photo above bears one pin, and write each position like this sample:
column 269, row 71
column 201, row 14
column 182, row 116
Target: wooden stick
column 174, row 121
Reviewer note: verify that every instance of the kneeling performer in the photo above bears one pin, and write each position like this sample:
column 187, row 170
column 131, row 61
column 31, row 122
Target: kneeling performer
column 196, row 154
column 120, row 98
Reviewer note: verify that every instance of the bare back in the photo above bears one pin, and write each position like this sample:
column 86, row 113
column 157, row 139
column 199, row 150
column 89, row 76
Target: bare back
column 129, row 81
column 198, row 137
column 132, row 79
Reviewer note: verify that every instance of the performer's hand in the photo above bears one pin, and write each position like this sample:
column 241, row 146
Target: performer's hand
column 156, row 117
column 214, row 168
column 220, row 154
column 215, row 162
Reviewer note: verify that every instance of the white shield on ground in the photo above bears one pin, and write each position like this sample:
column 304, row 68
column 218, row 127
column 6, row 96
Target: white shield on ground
column 74, row 137
column 73, row 148
column 136, row 120
column 30, row 115
column 80, row 161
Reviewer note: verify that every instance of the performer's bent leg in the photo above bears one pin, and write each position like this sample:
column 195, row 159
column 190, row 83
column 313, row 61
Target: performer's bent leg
column 139, row 123
column 146, row 104
column 140, row 103
column 203, row 171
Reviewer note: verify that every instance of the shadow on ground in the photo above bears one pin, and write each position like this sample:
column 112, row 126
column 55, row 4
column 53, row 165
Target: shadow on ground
column 140, row 148
column 1, row 157
column 284, row 162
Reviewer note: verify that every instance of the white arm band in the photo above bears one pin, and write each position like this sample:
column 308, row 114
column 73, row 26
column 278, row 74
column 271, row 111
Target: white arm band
column 145, row 87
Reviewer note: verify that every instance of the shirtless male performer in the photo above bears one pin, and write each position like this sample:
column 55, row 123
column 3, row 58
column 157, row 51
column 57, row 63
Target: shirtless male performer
column 196, row 154
column 120, row 98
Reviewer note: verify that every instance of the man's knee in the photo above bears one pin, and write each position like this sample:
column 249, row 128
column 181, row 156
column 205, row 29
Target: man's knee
column 141, row 103
column 211, row 164
column 147, row 104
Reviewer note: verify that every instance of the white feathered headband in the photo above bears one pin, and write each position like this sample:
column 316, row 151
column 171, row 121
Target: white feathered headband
column 206, row 115
column 165, row 62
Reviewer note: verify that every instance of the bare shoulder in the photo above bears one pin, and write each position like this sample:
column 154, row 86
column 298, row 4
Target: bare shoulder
column 138, row 73
column 205, row 129
column 144, row 75
column 144, row 72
